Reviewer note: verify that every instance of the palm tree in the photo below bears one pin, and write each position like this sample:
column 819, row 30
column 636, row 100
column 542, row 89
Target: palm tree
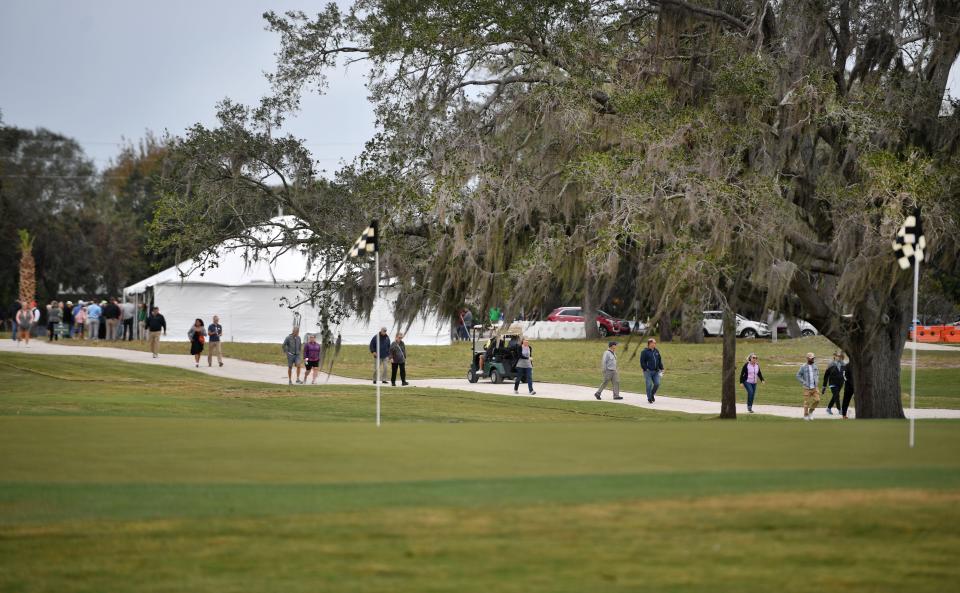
column 28, row 269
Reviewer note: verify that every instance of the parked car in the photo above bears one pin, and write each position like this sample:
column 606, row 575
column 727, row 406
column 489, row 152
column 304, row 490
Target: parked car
column 606, row 323
column 806, row 328
column 713, row 326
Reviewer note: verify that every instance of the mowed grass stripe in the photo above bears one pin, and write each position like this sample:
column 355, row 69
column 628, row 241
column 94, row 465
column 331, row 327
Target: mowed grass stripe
column 165, row 450
column 791, row 542
column 54, row 502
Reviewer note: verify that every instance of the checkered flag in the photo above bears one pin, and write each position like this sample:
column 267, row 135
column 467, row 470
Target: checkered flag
column 910, row 242
column 367, row 243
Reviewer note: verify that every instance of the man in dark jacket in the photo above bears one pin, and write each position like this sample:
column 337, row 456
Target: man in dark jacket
column 155, row 323
column 652, row 364
column 833, row 378
column 111, row 312
column 380, row 363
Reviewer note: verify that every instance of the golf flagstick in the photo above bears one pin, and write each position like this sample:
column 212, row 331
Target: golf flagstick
column 369, row 242
column 913, row 358
column 909, row 246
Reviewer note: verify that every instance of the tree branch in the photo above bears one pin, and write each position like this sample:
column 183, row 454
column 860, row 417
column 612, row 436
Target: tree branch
column 702, row 10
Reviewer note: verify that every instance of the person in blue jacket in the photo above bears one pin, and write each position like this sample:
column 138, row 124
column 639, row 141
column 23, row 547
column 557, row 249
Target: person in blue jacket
column 652, row 364
column 384, row 354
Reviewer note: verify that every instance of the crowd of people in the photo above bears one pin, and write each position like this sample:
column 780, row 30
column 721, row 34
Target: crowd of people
column 308, row 356
column 109, row 320
column 837, row 377
column 113, row 320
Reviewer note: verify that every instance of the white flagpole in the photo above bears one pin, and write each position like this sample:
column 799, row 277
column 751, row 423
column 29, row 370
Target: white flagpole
column 376, row 299
column 913, row 366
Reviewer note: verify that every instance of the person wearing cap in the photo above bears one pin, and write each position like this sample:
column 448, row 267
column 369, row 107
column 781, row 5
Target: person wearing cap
column 652, row 364
column 808, row 375
column 293, row 348
column 380, row 364
column 608, row 365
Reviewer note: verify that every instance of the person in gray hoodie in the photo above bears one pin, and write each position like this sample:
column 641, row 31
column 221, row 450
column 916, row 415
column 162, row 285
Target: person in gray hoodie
column 293, row 348
column 608, row 365
column 398, row 360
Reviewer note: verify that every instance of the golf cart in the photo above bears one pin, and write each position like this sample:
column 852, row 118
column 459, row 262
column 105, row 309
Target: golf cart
column 496, row 358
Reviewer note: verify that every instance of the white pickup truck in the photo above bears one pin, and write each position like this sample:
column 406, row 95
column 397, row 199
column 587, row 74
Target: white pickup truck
column 713, row 326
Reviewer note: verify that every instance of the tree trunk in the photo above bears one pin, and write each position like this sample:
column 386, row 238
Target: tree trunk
column 876, row 372
column 728, row 398
column 589, row 310
column 691, row 324
column 666, row 327
column 793, row 328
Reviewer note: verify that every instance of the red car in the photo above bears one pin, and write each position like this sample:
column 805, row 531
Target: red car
column 607, row 325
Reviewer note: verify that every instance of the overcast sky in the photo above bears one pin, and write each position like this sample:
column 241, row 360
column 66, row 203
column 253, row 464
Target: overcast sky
column 103, row 70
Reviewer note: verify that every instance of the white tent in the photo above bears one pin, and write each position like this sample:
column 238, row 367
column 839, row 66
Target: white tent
column 246, row 295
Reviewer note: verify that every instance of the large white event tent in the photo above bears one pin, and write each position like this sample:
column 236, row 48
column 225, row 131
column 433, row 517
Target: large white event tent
column 247, row 296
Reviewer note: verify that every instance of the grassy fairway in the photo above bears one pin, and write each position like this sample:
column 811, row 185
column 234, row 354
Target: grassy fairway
column 693, row 370
column 117, row 477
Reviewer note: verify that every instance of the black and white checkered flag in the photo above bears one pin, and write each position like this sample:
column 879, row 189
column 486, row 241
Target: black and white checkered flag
column 367, row 243
column 910, row 242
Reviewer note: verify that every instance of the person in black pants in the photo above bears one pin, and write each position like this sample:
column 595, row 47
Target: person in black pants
column 847, row 388
column 398, row 360
column 833, row 377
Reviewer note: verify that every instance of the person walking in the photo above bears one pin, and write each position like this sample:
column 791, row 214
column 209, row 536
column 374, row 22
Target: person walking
column 111, row 313
column 808, row 375
column 24, row 319
column 54, row 318
column 311, row 354
column 380, row 365
column 197, row 335
column 833, row 377
column 524, row 368
column 608, row 365
column 156, row 323
column 652, row 364
column 398, row 360
column 128, row 311
column 215, row 333
column 292, row 347
column 848, row 391
column 142, row 322
column 94, row 311
column 749, row 375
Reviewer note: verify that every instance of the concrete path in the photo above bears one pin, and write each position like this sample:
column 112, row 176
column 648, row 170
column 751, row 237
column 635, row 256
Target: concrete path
column 276, row 374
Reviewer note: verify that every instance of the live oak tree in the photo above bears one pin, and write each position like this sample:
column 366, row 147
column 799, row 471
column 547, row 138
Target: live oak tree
column 741, row 152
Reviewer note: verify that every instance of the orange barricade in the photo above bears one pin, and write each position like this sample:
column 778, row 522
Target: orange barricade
column 928, row 333
column 950, row 334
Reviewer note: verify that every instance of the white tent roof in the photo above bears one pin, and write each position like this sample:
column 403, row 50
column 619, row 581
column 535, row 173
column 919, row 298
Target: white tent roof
column 249, row 296
column 275, row 266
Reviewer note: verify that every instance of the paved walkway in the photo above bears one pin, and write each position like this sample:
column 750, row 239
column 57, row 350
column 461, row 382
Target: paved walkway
column 276, row 374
